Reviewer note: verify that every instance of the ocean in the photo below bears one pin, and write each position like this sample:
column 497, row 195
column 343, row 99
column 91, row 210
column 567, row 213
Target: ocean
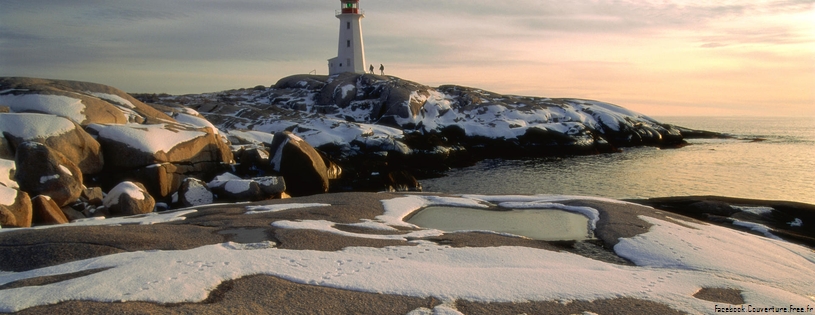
column 780, row 167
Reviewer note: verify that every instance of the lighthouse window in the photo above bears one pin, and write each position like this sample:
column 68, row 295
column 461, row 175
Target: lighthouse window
column 348, row 25
column 348, row 43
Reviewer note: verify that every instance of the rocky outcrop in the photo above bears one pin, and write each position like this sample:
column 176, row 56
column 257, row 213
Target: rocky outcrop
column 362, row 120
column 129, row 198
column 157, row 145
column 300, row 164
column 43, row 171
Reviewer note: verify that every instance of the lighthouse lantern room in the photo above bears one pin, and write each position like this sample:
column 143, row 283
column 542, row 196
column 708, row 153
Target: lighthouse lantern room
column 350, row 49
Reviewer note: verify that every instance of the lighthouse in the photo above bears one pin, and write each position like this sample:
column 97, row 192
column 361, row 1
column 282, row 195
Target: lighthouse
column 350, row 49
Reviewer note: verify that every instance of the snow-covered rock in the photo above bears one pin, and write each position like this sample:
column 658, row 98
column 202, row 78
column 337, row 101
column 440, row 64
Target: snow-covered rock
column 44, row 171
column 363, row 120
column 81, row 102
column 58, row 133
column 160, row 155
column 228, row 186
column 15, row 208
column 129, row 198
column 194, row 192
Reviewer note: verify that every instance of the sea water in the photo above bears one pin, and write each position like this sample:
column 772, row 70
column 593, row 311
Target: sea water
column 779, row 167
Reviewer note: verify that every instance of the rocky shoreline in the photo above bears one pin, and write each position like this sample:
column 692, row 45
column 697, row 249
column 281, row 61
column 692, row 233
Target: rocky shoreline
column 73, row 150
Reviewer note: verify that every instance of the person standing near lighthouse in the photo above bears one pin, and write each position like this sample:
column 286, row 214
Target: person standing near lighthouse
column 350, row 49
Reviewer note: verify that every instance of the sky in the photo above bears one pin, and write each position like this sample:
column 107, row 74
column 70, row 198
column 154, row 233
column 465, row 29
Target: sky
column 656, row 57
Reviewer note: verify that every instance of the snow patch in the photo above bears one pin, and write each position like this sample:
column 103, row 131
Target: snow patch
column 7, row 195
column 195, row 121
column 796, row 223
column 197, row 194
column 113, row 98
column 68, row 107
column 347, row 89
column 238, row 186
column 328, row 226
column 45, row 179
column 761, row 228
column 65, row 170
column 31, row 126
column 7, row 167
column 122, row 104
column 754, row 210
column 282, row 207
column 146, row 138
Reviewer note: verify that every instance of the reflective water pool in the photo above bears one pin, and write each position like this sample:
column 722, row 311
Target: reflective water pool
column 539, row 224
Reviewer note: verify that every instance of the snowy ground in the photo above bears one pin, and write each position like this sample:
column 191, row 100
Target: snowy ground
column 674, row 260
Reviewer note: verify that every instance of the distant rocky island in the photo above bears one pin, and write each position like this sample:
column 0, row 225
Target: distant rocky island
column 84, row 149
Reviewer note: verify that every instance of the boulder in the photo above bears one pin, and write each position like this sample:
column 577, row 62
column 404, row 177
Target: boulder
column 161, row 180
column 46, row 211
column 59, row 133
column 231, row 187
column 133, row 146
column 300, row 164
column 43, row 171
column 272, row 186
column 93, row 195
column 238, row 190
column 253, row 162
column 194, row 192
column 72, row 214
column 129, row 198
column 161, row 155
column 15, row 208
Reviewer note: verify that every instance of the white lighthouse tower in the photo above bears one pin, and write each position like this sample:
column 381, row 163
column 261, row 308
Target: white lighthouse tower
column 350, row 50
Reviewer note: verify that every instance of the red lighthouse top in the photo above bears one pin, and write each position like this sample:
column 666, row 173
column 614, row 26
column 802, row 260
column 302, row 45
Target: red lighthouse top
column 350, row 6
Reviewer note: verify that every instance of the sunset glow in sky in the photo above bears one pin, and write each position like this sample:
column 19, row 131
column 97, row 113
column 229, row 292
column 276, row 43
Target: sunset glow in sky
column 657, row 57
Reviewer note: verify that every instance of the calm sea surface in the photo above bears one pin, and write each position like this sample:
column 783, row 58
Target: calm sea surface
column 780, row 168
